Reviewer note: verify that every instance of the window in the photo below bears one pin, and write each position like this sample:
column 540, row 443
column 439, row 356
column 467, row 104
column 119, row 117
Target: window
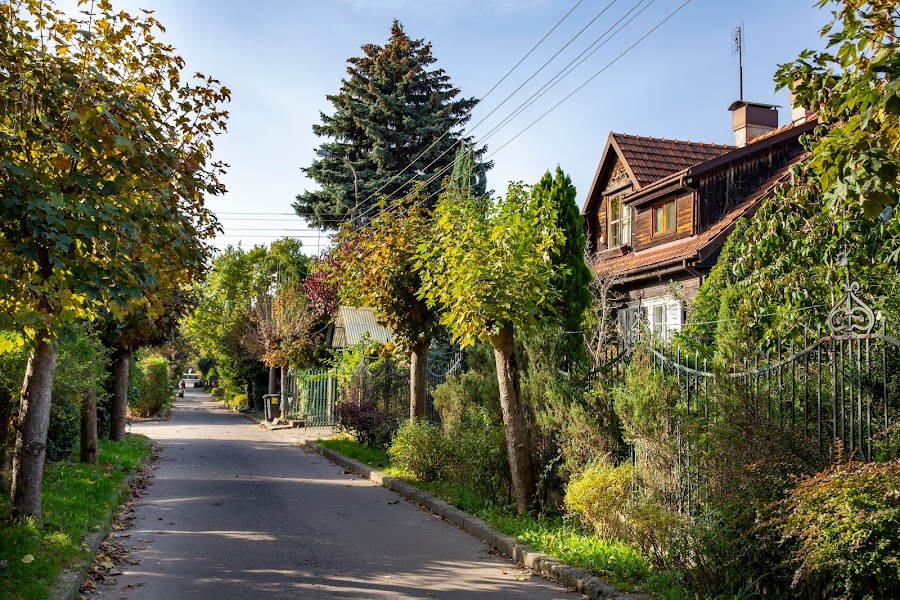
column 664, row 218
column 660, row 321
column 619, row 223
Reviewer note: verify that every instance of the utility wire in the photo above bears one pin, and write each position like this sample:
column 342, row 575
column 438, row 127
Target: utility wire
column 461, row 119
column 597, row 74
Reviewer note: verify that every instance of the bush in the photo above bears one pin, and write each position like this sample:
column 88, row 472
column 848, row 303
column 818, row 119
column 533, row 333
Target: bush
column 238, row 402
column 478, row 457
column 217, row 392
column 421, row 449
column 148, row 385
column 845, row 520
column 599, row 496
column 365, row 422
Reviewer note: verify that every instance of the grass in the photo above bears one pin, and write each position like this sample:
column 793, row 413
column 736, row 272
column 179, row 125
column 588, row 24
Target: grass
column 75, row 500
column 616, row 562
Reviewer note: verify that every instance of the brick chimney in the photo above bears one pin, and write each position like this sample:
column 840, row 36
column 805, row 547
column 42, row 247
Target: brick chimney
column 751, row 119
column 799, row 114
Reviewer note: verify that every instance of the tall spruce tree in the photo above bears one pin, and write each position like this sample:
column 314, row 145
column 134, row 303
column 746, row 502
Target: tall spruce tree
column 390, row 110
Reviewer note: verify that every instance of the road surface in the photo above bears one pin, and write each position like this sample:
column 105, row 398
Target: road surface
column 236, row 511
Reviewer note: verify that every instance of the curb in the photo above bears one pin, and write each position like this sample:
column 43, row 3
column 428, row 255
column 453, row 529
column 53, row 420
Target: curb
column 574, row 578
column 69, row 582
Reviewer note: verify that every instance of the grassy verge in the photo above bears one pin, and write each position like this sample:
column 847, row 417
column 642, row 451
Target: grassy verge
column 618, row 563
column 75, row 500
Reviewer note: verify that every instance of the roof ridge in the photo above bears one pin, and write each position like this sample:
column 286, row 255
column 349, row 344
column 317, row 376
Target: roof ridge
column 677, row 141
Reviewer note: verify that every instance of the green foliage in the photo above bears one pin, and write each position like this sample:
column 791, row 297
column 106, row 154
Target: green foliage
column 420, row 449
column 104, row 170
column 396, row 115
column 76, row 499
column 571, row 276
column 460, row 396
column 485, row 268
column 853, row 85
column 599, row 496
column 148, row 385
column 379, row 268
column 845, row 520
column 700, row 328
column 479, row 460
column 82, row 364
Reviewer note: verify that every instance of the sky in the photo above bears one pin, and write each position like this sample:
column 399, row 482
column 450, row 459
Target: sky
column 281, row 57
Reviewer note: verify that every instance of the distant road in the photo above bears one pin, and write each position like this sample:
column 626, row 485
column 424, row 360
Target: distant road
column 235, row 511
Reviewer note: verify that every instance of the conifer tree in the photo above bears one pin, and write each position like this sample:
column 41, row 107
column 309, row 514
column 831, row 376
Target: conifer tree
column 390, row 110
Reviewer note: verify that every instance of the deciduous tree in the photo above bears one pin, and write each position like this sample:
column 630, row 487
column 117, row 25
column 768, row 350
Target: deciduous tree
column 104, row 153
column 489, row 268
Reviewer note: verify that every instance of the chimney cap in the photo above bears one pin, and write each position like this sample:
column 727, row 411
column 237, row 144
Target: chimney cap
column 742, row 103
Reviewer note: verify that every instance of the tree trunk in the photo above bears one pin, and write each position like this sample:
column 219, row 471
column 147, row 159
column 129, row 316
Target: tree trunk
column 89, row 452
column 418, row 363
column 517, row 444
column 120, row 395
column 272, row 379
column 31, row 439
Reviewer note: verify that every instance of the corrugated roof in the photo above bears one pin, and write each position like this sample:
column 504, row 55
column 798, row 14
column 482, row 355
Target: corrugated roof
column 353, row 322
column 688, row 248
column 651, row 159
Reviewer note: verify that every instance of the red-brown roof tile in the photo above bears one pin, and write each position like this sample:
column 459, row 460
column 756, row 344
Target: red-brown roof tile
column 688, row 248
column 651, row 159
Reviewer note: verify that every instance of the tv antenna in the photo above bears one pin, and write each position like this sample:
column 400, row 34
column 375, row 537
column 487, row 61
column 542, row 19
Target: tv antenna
column 737, row 47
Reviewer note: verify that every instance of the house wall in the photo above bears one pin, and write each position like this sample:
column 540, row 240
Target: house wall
column 723, row 188
column 642, row 235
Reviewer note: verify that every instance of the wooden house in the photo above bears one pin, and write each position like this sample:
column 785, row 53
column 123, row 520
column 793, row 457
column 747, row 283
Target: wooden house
column 659, row 211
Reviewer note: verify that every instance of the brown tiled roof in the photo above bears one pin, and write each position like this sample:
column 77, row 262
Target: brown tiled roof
column 689, row 248
column 651, row 159
column 809, row 117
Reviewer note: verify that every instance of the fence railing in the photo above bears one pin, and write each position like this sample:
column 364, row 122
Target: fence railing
column 838, row 385
column 314, row 393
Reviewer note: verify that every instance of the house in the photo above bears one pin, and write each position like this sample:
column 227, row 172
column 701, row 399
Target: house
column 658, row 211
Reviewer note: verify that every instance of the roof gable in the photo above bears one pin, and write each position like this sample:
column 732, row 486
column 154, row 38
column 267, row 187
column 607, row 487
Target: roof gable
column 645, row 160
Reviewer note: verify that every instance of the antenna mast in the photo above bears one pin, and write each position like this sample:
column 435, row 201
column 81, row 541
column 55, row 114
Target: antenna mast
column 737, row 47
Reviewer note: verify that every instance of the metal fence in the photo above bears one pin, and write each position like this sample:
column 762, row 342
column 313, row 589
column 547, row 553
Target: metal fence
column 314, row 393
column 838, row 384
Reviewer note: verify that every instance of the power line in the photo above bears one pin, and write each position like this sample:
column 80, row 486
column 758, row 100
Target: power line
column 460, row 120
column 597, row 74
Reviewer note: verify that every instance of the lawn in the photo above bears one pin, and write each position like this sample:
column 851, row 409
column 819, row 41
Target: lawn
column 617, row 563
column 75, row 500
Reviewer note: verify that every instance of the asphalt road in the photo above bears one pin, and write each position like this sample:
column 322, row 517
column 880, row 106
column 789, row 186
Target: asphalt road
column 237, row 511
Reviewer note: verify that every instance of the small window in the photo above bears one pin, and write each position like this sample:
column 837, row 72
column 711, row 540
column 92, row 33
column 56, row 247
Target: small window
column 664, row 218
column 659, row 321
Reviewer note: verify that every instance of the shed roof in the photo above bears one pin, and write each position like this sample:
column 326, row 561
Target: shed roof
column 353, row 322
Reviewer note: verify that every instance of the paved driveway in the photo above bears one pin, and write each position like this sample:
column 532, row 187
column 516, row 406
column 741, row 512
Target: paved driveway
column 236, row 511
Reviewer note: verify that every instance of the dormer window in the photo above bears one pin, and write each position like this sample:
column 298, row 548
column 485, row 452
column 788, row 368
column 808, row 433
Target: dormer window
column 664, row 220
column 619, row 223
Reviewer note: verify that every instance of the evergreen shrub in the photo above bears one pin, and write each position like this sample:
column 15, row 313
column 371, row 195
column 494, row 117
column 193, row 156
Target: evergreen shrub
column 599, row 496
column 238, row 402
column 148, row 385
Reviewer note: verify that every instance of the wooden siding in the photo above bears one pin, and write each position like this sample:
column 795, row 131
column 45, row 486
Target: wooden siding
column 725, row 187
column 642, row 233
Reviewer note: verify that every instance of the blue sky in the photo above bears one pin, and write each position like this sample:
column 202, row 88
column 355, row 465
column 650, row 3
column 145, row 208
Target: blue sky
column 281, row 57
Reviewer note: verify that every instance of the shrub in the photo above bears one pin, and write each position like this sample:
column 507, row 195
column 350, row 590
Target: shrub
column 217, row 392
column 599, row 496
column 478, row 457
column 365, row 422
column 421, row 449
column 238, row 402
column 845, row 520
column 148, row 385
